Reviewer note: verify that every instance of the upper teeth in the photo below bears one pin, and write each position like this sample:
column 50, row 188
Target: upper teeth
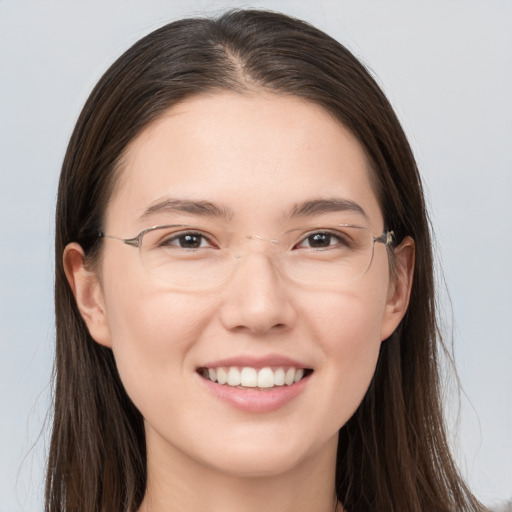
column 253, row 378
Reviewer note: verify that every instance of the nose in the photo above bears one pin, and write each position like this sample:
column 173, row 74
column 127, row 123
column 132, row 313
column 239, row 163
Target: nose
column 256, row 299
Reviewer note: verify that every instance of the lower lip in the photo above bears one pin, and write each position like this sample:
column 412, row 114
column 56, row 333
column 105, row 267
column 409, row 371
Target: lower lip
column 255, row 399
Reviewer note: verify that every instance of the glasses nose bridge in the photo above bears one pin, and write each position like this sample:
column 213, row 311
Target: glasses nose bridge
column 253, row 252
column 256, row 244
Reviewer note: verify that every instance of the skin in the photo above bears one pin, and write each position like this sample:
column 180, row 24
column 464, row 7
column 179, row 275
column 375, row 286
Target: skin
column 274, row 151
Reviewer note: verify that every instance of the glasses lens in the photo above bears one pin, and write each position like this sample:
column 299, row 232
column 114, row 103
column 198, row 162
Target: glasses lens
column 331, row 259
column 186, row 259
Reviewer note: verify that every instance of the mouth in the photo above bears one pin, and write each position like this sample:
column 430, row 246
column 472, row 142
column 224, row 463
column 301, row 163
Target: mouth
column 247, row 377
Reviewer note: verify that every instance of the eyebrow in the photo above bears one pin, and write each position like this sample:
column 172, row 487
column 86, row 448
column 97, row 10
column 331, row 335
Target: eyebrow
column 200, row 208
column 209, row 209
column 321, row 206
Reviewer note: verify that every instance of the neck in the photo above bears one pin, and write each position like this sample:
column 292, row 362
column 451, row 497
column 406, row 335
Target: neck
column 175, row 480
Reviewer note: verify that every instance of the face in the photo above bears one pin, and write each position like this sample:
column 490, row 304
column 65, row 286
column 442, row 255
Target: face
column 256, row 157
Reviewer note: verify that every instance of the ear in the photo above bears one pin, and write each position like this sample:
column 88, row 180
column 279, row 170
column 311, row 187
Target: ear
column 400, row 287
column 88, row 294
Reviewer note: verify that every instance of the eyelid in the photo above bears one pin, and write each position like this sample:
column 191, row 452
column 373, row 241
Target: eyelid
column 329, row 231
column 177, row 230
column 174, row 235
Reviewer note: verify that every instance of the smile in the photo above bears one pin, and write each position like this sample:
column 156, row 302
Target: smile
column 248, row 377
column 255, row 384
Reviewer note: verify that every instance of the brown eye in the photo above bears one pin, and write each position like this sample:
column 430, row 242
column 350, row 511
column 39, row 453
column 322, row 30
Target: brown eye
column 187, row 241
column 320, row 240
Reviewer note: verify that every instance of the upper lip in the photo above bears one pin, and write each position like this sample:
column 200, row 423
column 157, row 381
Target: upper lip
column 256, row 362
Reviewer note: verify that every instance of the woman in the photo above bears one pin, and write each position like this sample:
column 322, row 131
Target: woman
column 244, row 289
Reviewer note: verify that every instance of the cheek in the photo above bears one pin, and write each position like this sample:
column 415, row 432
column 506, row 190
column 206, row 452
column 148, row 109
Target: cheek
column 146, row 323
column 347, row 322
column 349, row 333
column 152, row 336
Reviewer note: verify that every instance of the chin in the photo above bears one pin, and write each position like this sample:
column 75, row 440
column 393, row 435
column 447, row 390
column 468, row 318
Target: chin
column 264, row 457
column 258, row 463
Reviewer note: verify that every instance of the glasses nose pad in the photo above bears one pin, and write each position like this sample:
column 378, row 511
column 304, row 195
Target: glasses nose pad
column 256, row 238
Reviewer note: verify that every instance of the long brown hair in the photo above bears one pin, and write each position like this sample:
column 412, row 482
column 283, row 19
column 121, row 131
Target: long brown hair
column 393, row 453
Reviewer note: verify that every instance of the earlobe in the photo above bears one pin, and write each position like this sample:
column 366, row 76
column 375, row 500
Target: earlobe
column 88, row 294
column 400, row 287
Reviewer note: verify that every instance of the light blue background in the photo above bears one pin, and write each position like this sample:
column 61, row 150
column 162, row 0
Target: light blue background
column 447, row 68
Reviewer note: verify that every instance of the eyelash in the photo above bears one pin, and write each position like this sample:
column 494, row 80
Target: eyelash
column 340, row 240
column 176, row 238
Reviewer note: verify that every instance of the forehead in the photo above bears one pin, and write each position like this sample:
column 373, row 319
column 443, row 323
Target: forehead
column 256, row 155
